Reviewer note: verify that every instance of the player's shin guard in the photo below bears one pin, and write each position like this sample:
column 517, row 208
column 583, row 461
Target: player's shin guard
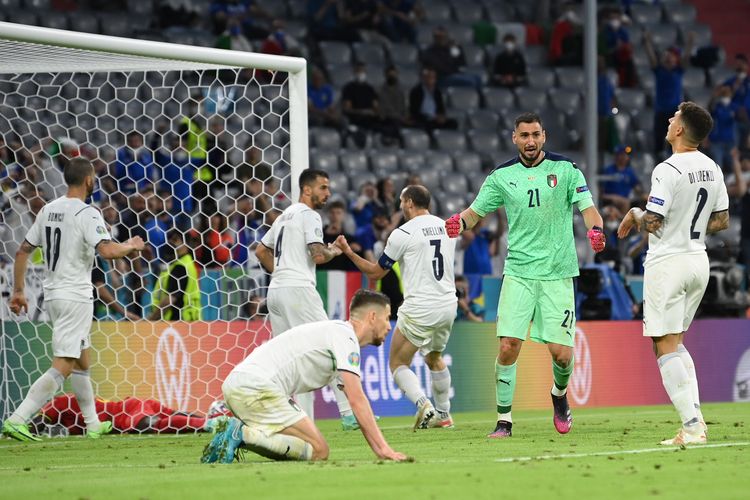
column 276, row 446
column 441, row 388
column 505, row 386
column 676, row 382
column 39, row 394
column 561, row 376
column 80, row 381
column 408, row 382
column 687, row 360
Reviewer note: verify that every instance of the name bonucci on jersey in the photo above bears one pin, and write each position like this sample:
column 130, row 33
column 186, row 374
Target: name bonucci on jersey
column 68, row 230
column 425, row 255
column 685, row 189
column 296, row 228
column 306, row 357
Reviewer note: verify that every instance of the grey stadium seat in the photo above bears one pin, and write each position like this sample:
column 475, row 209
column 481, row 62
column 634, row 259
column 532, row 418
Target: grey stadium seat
column 475, row 56
column 694, row 77
column 499, row 98
column 469, row 13
column 565, row 100
column 541, row 78
column 411, row 161
column 438, row 160
column 114, row 25
column 430, row 179
column 467, row 162
column 369, row 53
column 23, row 17
column 646, row 14
column 484, row 119
column 449, row 140
column 631, row 100
column 37, row 4
column 403, row 53
column 325, row 138
column 439, row 11
column 516, row 29
column 55, row 20
column 462, row 34
column 664, row 35
column 571, row 78
column 354, row 163
column 680, row 13
column 322, row 159
column 484, row 142
column 338, row 182
column 702, row 33
column 531, row 99
column 536, row 55
column 336, row 52
column 454, row 182
column 383, row 160
column 462, row 98
column 415, row 139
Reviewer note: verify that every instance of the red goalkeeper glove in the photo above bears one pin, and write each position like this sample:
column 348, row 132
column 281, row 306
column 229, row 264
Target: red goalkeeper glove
column 454, row 225
column 597, row 238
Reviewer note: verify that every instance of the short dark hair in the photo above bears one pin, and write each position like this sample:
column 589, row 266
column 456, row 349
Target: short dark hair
column 528, row 117
column 365, row 297
column 77, row 170
column 174, row 233
column 696, row 120
column 417, row 194
column 337, row 204
column 309, row 176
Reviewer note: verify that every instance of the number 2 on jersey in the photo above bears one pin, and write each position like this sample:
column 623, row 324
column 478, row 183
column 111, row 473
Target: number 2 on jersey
column 277, row 250
column 53, row 246
column 438, row 266
column 701, row 199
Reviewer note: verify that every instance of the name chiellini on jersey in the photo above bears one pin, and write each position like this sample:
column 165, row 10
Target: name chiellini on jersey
column 68, row 231
column 425, row 255
column 685, row 189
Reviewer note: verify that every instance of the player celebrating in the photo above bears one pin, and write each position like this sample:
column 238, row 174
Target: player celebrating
column 289, row 251
column 425, row 255
column 69, row 231
column 688, row 200
column 538, row 189
column 305, row 358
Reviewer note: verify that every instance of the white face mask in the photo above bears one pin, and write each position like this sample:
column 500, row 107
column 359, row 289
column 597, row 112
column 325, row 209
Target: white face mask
column 510, row 46
column 725, row 100
column 741, row 75
column 615, row 23
column 361, row 77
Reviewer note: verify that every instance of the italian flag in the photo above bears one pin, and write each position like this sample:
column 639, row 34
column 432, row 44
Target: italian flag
column 337, row 288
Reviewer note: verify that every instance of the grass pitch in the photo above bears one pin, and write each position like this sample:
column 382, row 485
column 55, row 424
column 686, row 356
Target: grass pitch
column 610, row 453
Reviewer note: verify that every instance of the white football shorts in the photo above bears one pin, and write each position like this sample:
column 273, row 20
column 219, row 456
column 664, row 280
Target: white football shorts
column 71, row 327
column 672, row 291
column 293, row 306
column 427, row 329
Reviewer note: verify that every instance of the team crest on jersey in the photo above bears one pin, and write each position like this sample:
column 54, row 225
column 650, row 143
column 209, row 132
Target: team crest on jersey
column 101, row 230
column 552, row 180
column 354, row 359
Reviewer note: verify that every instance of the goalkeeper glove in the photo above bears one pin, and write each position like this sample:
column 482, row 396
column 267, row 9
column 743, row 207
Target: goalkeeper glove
column 597, row 238
column 454, row 225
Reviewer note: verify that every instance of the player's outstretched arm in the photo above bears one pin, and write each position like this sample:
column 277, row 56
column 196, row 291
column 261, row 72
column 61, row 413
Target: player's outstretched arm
column 18, row 301
column 322, row 254
column 366, row 419
column 637, row 218
column 718, row 221
column 371, row 269
column 112, row 250
column 265, row 257
column 458, row 223
column 594, row 223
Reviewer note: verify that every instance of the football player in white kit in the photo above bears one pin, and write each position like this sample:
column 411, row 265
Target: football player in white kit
column 289, row 251
column 425, row 255
column 688, row 200
column 258, row 390
column 69, row 232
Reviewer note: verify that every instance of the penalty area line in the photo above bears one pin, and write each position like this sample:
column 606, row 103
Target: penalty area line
column 618, row 452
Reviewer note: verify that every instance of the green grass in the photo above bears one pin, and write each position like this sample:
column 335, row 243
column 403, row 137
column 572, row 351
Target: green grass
column 457, row 463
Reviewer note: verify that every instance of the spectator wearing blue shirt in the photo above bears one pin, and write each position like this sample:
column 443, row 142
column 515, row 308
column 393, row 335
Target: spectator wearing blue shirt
column 321, row 101
column 622, row 183
column 177, row 177
column 244, row 12
column 400, row 19
column 615, row 40
column 480, row 244
column 364, row 207
column 325, row 18
column 740, row 85
column 467, row 309
column 134, row 167
column 722, row 138
column 668, row 73
column 367, row 236
column 159, row 224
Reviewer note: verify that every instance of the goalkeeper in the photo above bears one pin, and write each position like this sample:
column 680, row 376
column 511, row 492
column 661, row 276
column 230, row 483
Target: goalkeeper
column 538, row 189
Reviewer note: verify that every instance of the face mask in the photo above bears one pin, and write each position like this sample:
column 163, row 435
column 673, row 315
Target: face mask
column 361, row 77
column 725, row 100
column 615, row 23
column 510, row 46
column 455, row 51
column 741, row 75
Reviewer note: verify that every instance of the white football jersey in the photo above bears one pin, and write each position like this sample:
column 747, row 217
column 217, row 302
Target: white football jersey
column 306, row 357
column 68, row 231
column 686, row 189
column 425, row 255
column 297, row 227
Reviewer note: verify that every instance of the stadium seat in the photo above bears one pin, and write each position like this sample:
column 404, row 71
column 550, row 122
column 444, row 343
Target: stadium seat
column 339, row 74
column 631, row 100
column 449, row 205
column 699, row 95
column 502, row 13
column 411, row 161
column 277, row 9
column 338, row 53
column 462, row 34
column 462, row 98
column 325, row 138
column 449, row 140
column 40, row 5
column 475, row 56
column 536, row 56
column 476, row 179
column 55, row 20
column 571, row 78
column 430, row 178
column 664, row 35
column 499, row 99
column 454, row 182
column 141, row 7
column 438, row 160
column 375, row 75
column 646, row 78
column 680, row 13
column 516, row 29
column 323, row 159
column 565, row 100
column 467, row 162
column 720, row 74
column 484, row 142
column 114, row 24
column 297, row 29
column 439, row 12
column 541, row 78
column 646, row 14
column 403, row 53
column 338, row 182
column 415, row 138
column 382, row 161
column 531, row 99
column 23, row 17
column 370, row 54
column 468, row 13
column 693, row 78
column 298, row 9
column 399, row 180
column 702, row 32
column 354, row 163
column 483, row 119
column 10, row 5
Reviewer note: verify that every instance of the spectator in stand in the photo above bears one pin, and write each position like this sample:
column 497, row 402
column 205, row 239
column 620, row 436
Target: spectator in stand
column 668, row 72
column 325, row 19
column 392, row 100
column 105, row 301
column 427, row 106
column 479, row 245
column 637, row 246
column 321, row 102
column 722, row 138
column 135, row 165
column 219, row 242
column 740, row 85
column 363, row 16
column 387, row 196
column 606, row 102
column 447, row 58
column 622, row 184
column 467, row 308
column 376, row 231
column 509, row 67
column 738, row 187
column 566, row 39
column 133, row 223
column 365, row 205
column 159, row 223
column 249, row 15
column 246, row 224
column 359, row 100
column 611, row 216
column 616, row 47
column 230, row 36
column 177, row 177
column 176, row 295
column 279, row 42
column 336, row 221
column 218, row 144
column 191, row 128
column 400, row 19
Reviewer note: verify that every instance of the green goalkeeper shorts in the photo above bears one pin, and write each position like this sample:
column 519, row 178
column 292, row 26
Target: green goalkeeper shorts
column 548, row 305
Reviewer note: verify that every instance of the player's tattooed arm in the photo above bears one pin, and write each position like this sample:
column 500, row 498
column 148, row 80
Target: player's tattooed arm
column 638, row 219
column 322, row 254
column 718, row 221
column 652, row 222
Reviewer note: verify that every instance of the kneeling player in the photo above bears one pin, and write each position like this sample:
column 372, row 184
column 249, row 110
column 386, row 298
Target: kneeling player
column 307, row 357
column 425, row 254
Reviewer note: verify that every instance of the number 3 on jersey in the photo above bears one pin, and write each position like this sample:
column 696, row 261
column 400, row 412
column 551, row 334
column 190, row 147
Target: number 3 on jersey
column 438, row 266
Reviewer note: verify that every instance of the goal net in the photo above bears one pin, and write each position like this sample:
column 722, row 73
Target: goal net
column 199, row 141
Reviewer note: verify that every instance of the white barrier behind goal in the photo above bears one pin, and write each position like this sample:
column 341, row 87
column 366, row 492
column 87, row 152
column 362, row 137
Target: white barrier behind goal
column 64, row 94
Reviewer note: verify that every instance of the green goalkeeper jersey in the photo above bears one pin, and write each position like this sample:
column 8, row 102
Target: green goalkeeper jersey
column 538, row 201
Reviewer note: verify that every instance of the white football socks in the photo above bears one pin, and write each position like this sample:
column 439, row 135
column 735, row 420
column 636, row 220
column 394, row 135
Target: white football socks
column 39, row 394
column 687, row 360
column 80, row 381
column 408, row 382
column 676, row 382
column 276, row 446
column 441, row 389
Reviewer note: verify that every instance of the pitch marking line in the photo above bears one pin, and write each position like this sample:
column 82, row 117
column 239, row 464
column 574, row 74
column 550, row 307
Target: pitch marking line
column 618, row 452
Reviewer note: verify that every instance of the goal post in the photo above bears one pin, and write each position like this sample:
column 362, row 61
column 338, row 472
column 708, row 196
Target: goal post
column 64, row 94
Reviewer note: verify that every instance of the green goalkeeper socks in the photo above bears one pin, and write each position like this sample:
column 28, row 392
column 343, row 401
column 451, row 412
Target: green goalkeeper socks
column 505, row 385
column 561, row 376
